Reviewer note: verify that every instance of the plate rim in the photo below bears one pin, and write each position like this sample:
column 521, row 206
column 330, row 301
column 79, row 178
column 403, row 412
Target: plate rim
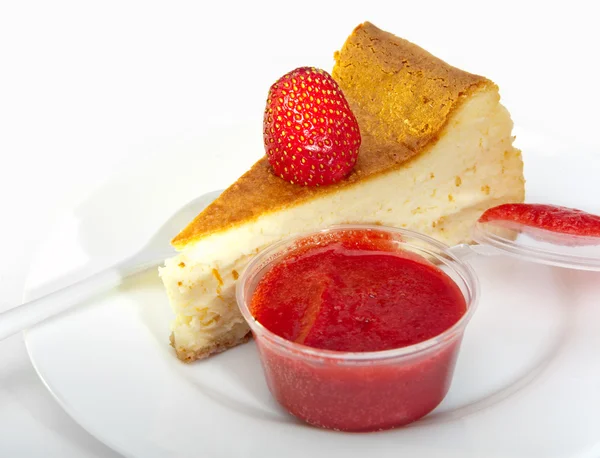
column 28, row 291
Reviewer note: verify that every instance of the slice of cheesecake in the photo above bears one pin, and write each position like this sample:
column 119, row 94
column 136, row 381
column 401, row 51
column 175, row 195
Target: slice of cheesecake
column 436, row 152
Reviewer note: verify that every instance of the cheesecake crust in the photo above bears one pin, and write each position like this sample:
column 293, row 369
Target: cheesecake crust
column 189, row 356
column 402, row 97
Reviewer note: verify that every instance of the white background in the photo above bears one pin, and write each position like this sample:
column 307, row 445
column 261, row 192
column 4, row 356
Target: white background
column 88, row 86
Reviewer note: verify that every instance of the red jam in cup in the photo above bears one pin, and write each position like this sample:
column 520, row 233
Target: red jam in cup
column 358, row 328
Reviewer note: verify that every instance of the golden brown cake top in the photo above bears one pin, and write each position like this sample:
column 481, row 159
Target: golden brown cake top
column 402, row 97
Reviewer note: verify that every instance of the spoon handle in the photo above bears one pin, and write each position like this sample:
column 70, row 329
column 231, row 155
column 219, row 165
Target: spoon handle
column 30, row 313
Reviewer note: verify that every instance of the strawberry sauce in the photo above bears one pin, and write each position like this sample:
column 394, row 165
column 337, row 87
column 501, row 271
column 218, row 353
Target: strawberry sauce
column 357, row 293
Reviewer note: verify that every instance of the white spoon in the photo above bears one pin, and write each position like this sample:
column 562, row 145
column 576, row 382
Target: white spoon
column 153, row 253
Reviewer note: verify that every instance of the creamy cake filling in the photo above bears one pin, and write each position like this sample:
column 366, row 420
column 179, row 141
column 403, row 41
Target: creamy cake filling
column 441, row 192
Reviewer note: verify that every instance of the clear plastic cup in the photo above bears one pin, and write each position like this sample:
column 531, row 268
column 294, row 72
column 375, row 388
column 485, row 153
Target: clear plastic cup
column 361, row 391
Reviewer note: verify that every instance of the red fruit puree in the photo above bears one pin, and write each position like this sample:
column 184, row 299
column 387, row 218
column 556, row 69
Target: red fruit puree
column 356, row 292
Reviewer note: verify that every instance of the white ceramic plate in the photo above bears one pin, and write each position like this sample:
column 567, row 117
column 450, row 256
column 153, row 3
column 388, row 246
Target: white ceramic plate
column 527, row 383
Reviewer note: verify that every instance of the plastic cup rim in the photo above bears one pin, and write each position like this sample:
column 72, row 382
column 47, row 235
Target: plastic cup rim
column 460, row 267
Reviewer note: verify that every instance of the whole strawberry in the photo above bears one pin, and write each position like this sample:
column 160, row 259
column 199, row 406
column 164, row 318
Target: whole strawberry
column 311, row 135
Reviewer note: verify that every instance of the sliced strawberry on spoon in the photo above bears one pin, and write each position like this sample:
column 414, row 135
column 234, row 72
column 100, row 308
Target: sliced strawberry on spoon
column 553, row 218
column 311, row 136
